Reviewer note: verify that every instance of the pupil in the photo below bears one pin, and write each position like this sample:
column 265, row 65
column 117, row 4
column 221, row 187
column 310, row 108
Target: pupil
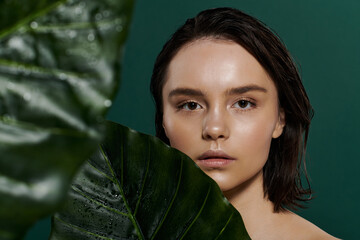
column 192, row 105
column 242, row 103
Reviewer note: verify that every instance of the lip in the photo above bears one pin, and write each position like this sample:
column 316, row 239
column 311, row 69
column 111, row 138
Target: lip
column 214, row 159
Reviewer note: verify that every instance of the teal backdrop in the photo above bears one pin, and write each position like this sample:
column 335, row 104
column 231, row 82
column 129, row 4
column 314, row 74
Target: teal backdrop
column 324, row 38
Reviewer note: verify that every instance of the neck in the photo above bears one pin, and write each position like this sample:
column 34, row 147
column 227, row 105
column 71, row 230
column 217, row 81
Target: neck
column 255, row 209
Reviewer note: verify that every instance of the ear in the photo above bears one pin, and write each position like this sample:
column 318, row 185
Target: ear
column 163, row 125
column 279, row 127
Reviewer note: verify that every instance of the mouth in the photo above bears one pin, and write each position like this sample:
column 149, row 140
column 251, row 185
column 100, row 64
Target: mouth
column 214, row 159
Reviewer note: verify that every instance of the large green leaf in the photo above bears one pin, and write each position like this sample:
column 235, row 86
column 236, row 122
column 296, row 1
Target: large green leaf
column 59, row 70
column 136, row 187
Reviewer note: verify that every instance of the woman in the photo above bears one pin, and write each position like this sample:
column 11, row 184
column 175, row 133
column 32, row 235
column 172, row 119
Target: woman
column 229, row 96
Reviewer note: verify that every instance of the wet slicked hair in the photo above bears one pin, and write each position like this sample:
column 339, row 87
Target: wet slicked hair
column 282, row 178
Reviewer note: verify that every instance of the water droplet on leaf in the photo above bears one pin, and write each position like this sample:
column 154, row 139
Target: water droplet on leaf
column 72, row 34
column 91, row 37
column 119, row 28
column 27, row 96
column 34, row 25
column 98, row 16
column 62, row 76
column 22, row 29
column 106, row 13
column 10, row 86
column 78, row 10
column 107, row 103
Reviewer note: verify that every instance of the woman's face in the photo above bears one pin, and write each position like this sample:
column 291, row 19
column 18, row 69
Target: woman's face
column 221, row 109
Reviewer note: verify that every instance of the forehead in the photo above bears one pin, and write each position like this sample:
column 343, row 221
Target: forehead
column 212, row 64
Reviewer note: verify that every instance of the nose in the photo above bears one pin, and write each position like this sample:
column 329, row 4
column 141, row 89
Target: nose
column 215, row 126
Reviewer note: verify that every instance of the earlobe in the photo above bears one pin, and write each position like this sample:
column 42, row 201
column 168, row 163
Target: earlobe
column 280, row 124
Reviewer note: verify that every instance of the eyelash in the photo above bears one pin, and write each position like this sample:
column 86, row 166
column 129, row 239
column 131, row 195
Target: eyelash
column 249, row 105
column 184, row 104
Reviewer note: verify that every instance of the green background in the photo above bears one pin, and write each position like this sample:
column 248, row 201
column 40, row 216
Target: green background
column 324, row 38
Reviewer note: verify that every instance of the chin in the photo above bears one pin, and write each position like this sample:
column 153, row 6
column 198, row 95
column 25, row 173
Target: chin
column 222, row 181
column 225, row 187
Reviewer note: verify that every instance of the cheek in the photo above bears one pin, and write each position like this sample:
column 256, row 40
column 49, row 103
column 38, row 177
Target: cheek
column 254, row 135
column 260, row 133
column 182, row 133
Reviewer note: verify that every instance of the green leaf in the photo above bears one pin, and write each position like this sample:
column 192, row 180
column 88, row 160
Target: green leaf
column 136, row 187
column 59, row 70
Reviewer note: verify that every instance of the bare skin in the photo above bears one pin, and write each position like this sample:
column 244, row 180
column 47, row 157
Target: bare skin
column 221, row 109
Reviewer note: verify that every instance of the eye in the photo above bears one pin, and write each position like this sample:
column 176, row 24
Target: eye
column 244, row 104
column 190, row 106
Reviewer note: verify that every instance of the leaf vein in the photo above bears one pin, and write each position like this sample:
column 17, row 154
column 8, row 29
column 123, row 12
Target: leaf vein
column 143, row 182
column 172, row 200
column 56, row 131
column 34, row 69
column 222, row 230
column 27, row 19
column 198, row 214
column 101, row 172
column 82, row 229
column 121, row 167
column 99, row 203
column 77, row 25
column 136, row 226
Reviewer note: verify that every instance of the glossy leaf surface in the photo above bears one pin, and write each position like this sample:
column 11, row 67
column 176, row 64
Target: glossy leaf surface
column 136, row 187
column 59, row 70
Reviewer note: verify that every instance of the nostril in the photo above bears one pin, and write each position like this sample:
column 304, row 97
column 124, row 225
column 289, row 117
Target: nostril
column 214, row 136
column 213, row 130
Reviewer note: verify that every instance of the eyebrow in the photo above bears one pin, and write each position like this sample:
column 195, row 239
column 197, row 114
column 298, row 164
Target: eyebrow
column 186, row 91
column 232, row 91
column 244, row 89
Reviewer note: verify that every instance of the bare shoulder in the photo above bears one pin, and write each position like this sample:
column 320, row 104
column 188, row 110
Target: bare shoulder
column 301, row 228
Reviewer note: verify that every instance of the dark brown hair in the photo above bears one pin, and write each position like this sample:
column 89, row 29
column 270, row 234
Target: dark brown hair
column 282, row 178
